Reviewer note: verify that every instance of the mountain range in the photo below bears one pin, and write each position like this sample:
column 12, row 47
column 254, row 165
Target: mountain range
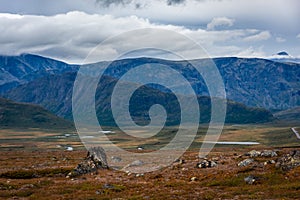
column 253, row 86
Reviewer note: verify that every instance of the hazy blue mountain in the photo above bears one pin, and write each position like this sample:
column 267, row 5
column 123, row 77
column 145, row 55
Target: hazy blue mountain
column 17, row 70
column 253, row 82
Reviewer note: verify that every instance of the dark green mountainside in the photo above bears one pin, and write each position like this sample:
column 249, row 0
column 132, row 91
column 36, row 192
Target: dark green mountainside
column 23, row 115
column 55, row 94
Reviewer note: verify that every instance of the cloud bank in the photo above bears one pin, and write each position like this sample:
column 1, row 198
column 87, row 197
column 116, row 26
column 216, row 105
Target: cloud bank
column 69, row 29
column 71, row 36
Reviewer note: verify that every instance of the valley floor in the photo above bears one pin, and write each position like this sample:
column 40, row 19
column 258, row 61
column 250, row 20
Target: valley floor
column 42, row 175
column 37, row 167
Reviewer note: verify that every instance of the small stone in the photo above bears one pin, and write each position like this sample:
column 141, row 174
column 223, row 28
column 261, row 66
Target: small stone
column 194, row 179
column 54, row 158
column 245, row 162
column 108, row 186
column 138, row 175
column 272, row 161
column 98, row 192
column 250, row 179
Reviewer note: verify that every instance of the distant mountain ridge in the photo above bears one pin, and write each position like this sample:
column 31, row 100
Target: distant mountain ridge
column 250, row 81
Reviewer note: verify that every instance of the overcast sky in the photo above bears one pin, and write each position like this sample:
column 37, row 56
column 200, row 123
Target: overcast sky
column 69, row 29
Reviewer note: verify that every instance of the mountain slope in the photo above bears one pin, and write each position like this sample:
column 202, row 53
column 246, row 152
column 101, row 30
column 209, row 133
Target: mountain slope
column 251, row 81
column 55, row 94
column 21, row 115
column 17, row 70
column 289, row 115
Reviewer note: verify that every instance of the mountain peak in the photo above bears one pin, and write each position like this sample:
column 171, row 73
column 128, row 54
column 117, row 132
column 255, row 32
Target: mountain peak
column 282, row 53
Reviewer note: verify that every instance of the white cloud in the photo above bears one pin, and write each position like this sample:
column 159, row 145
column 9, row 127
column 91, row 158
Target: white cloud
column 252, row 52
column 298, row 36
column 71, row 36
column 280, row 39
column 220, row 21
column 264, row 35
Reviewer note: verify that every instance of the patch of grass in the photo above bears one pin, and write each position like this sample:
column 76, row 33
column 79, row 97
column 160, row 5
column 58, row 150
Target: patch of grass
column 175, row 184
column 28, row 174
column 233, row 181
column 24, row 193
column 4, row 186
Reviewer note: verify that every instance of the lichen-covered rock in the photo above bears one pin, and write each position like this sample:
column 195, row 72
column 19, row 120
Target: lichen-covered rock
column 95, row 159
column 253, row 153
column 268, row 153
column 245, row 162
column 250, row 179
column 289, row 161
column 206, row 164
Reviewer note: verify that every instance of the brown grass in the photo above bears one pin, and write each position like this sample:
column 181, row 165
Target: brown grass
column 37, row 175
column 33, row 167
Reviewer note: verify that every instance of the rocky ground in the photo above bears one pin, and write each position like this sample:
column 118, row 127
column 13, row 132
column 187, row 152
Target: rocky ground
column 226, row 173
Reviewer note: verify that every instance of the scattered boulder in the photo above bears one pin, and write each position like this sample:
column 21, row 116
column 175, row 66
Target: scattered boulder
column 289, row 161
column 264, row 153
column 245, row 162
column 250, row 179
column 194, row 179
column 95, row 159
column 253, row 153
column 206, row 164
column 268, row 153
column 269, row 162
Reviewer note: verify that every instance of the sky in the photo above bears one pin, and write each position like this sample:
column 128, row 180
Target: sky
column 68, row 30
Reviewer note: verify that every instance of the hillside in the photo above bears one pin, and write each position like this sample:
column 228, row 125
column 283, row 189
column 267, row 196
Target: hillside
column 250, row 81
column 55, row 94
column 289, row 115
column 22, row 115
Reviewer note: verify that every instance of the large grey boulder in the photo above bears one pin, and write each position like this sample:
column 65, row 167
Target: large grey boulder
column 95, row 159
